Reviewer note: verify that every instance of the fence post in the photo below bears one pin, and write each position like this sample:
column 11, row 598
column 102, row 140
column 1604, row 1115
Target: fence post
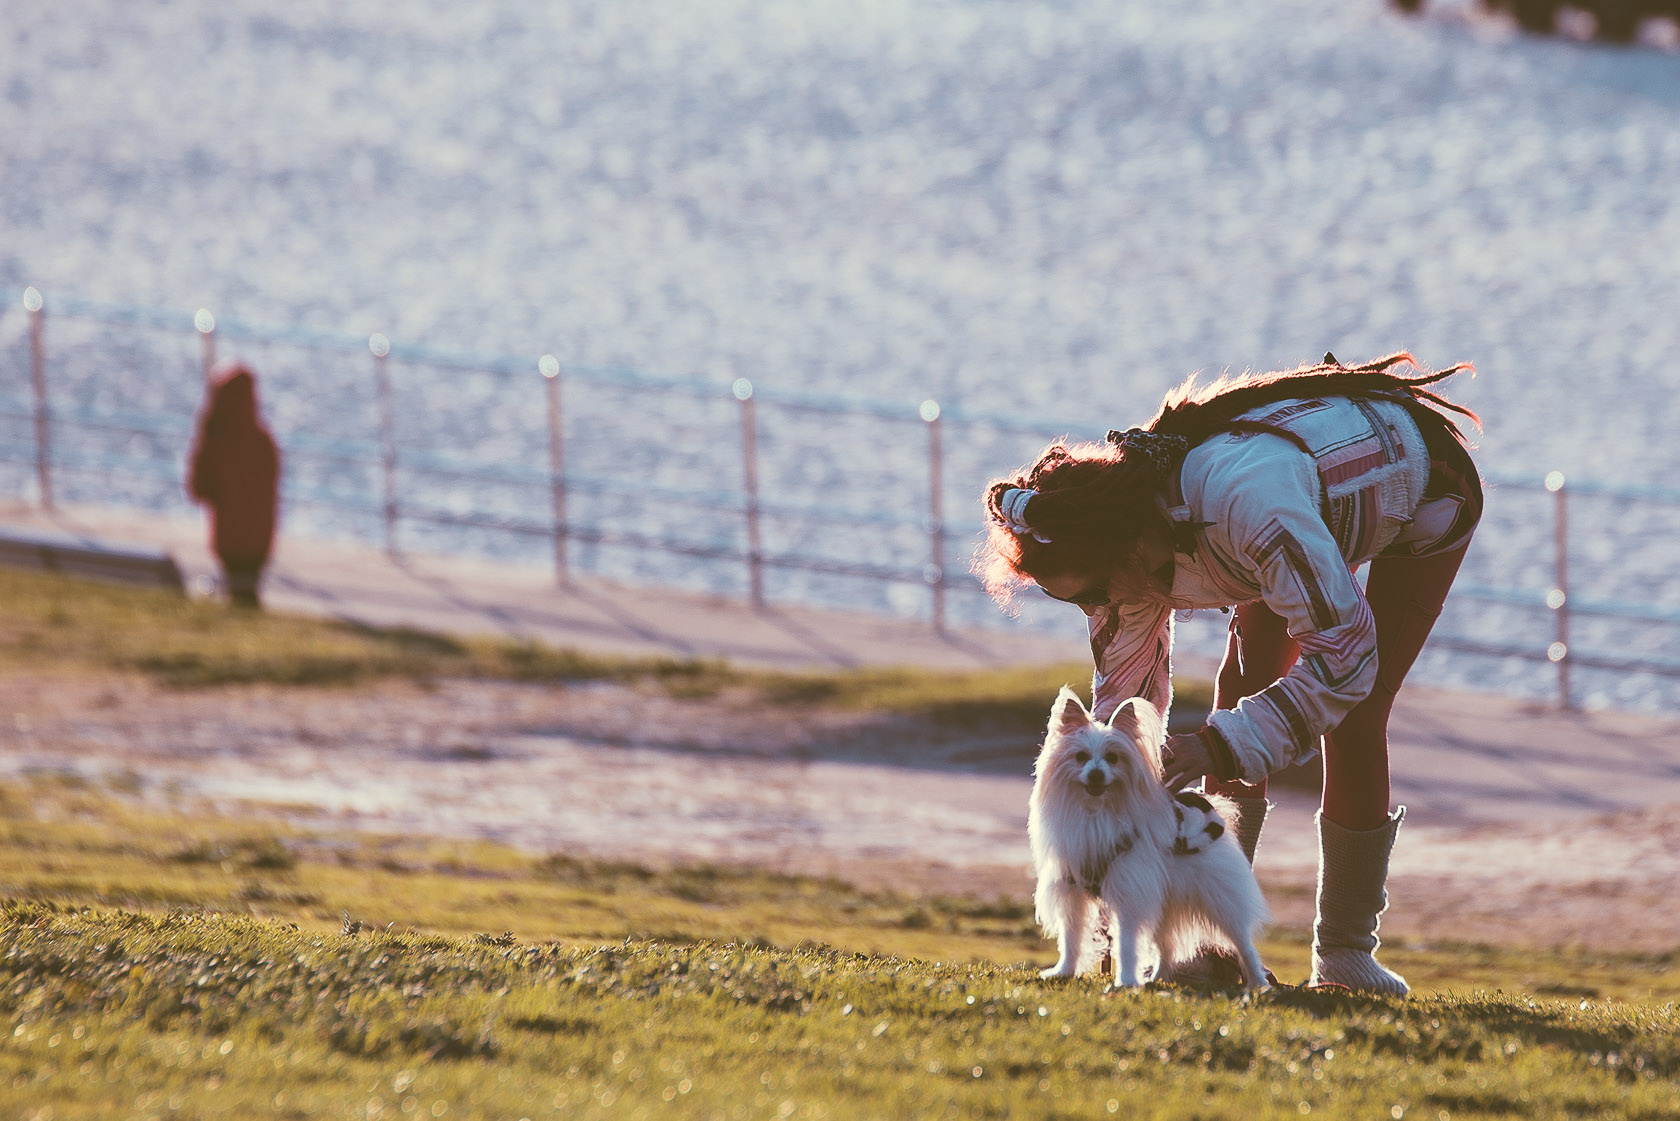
column 35, row 305
column 743, row 390
column 381, row 348
column 205, row 324
column 549, row 367
column 934, row 573
column 1558, row 598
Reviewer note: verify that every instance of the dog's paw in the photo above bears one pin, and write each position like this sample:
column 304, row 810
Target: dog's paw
column 1057, row 972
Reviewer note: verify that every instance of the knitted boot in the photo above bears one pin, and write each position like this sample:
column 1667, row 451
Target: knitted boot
column 1352, row 868
column 1220, row 969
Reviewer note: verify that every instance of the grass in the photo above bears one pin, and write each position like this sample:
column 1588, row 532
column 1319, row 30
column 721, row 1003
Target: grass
column 155, row 964
column 204, row 1015
column 59, row 622
column 170, row 963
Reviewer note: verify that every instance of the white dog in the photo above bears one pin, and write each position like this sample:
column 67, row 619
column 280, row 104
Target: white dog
column 1106, row 832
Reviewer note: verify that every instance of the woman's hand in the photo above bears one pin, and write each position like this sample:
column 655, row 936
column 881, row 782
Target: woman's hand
column 1184, row 759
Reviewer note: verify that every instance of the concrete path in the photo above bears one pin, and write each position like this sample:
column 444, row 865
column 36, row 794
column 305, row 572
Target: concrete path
column 464, row 596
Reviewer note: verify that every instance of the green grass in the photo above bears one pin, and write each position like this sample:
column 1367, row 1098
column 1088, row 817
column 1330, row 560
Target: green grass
column 70, row 625
column 170, row 963
column 155, row 964
column 74, row 844
column 194, row 1015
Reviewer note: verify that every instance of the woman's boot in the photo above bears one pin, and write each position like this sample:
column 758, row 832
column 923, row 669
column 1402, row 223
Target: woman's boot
column 1352, row 869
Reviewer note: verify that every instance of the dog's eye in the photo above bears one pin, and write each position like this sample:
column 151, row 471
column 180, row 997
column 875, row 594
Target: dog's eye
column 1111, row 758
column 1082, row 757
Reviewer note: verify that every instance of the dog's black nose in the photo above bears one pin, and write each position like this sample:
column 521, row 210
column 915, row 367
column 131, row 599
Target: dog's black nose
column 1095, row 785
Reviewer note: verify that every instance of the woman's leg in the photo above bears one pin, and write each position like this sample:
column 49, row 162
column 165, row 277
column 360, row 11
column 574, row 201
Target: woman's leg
column 242, row 578
column 1356, row 832
column 1258, row 652
column 1406, row 595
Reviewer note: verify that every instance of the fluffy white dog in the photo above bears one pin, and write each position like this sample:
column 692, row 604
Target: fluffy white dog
column 1106, row 833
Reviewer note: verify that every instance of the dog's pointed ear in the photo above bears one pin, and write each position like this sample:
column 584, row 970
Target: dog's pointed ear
column 1141, row 721
column 1067, row 715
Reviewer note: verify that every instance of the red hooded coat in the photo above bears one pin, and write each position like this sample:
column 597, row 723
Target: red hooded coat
column 235, row 470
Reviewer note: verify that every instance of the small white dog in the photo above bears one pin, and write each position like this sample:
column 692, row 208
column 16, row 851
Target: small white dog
column 1105, row 831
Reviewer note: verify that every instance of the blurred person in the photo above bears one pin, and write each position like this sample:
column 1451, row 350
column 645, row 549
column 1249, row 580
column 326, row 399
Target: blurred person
column 1264, row 493
column 234, row 470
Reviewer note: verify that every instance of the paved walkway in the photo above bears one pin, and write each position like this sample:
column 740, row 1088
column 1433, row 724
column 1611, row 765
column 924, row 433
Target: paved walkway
column 464, row 596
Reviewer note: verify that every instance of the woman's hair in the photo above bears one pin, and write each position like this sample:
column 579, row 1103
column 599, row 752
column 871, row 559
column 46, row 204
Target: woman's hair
column 231, row 404
column 1197, row 412
column 1093, row 501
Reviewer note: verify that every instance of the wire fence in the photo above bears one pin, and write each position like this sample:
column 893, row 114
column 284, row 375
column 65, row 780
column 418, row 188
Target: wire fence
column 714, row 482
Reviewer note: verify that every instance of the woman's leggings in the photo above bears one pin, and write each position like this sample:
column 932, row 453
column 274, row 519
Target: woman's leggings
column 1406, row 595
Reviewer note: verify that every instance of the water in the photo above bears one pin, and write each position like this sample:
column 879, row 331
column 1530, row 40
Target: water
column 1029, row 209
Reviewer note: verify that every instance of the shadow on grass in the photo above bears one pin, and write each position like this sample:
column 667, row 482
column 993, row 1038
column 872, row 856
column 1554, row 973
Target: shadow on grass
column 406, row 640
column 1431, row 1029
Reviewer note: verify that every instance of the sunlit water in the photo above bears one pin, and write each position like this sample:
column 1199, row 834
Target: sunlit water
column 1023, row 210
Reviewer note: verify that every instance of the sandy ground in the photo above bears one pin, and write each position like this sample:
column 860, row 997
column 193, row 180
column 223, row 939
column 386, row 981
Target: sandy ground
column 614, row 770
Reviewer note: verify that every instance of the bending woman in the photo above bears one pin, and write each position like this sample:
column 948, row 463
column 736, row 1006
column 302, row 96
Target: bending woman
column 1265, row 493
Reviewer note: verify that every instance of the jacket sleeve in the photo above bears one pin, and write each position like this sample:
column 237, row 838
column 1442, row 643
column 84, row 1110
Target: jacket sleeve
column 1132, row 647
column 1276, row 533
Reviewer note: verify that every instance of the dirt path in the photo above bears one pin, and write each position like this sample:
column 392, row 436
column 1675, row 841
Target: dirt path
column 610, row 769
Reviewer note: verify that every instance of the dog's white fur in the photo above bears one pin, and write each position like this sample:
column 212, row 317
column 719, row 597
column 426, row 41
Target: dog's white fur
column 1100, row 817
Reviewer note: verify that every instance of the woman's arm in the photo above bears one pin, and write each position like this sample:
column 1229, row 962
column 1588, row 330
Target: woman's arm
column 1274, row 530
column 201, row 475
column 1132, row 648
